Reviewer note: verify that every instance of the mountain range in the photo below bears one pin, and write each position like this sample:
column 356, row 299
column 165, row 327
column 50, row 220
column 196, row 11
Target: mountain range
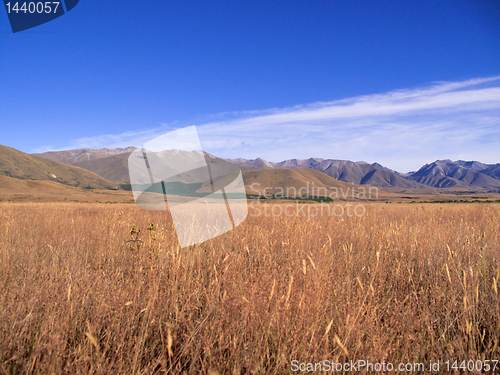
column 446, row 173
column 439, row 174
column 359, row 173
column 108, row 167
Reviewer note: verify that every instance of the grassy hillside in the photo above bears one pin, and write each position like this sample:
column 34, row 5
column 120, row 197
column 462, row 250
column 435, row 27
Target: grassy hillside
column 17, row 164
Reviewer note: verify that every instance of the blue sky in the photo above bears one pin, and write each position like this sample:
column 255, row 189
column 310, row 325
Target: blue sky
column 398, row 82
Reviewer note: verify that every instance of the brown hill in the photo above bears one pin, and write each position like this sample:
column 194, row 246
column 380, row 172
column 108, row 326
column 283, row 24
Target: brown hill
column 301, row 182
column 17, row 164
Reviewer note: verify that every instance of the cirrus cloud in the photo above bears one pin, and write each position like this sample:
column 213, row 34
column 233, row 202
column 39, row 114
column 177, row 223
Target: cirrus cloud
column 401, row 129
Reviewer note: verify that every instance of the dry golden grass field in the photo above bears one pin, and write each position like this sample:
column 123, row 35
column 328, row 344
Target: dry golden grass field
column 404, row 283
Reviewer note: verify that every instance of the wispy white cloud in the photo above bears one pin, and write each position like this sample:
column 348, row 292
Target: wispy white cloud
column 401, row 129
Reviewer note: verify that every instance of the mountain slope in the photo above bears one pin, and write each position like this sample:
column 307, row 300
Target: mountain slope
column 17, row 164
column 75, row 156
column 474, row 165
column 113, row 168
column 445, row 174
column 382, row 177
column 492, row 171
